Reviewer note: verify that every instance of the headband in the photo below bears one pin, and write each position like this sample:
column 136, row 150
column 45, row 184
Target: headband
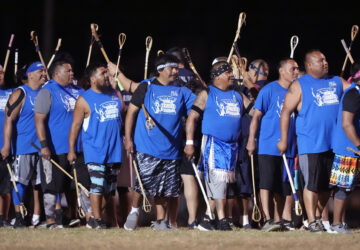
column 33, row 67
column 170, row 64
column 351, row 78
column 223, row 68
column 257, row 70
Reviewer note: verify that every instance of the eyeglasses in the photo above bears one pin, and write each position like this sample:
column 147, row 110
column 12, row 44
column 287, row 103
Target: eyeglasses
column 257, row 70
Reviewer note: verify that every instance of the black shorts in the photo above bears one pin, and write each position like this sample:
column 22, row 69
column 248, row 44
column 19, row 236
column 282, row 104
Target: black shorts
column 81, row 172
column 271, row 172
column 53, row 180
column 4, row 178
column 186, row 166
column 316, row 170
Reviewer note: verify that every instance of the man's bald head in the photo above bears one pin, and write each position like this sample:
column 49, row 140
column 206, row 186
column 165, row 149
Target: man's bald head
column 316, row 64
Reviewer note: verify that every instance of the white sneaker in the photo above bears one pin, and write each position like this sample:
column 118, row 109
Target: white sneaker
column 131, row 221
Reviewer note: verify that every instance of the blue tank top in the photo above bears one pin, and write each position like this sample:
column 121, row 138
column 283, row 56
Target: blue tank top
column 61, row 114
column 270, row 102
column 340, row 140
column 4, row 96
column 25, row 126
column 166, row 105
column 222, row 114
column 316, row 119
column 101, row 130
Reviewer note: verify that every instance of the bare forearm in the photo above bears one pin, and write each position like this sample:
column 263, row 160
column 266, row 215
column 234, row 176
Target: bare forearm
column 129, row 124
column 350, row 132
column 253, row 127
column 7, row 132
column 73, row 135
column 128, row 84
column 40, row 128
column 284, row 124
column 190, row 126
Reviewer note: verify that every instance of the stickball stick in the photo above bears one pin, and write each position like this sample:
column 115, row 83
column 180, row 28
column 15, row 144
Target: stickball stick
column 56, row 50
column 35, row 39
column 202, row 190
column 63, row 170
column 188, row 58
column 80, row 209
column 122, row 39
column 23, row 209
column 353, row 150
column 348, row 54
column 298, row 209
column 16, row 61
column 354, row 32
column 91, row 44
column 146, row 203
column 241, row 21
column 256, row 214
column 8, row 52
column 94, row 27
column 148, row 45
column 294, row 41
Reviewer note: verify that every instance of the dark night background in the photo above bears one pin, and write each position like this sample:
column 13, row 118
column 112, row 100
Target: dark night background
column 206, row 28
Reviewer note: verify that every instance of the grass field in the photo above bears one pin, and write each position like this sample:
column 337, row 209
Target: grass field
column 146, row 238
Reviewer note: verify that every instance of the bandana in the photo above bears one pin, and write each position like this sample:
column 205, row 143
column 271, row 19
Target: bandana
column 33, row 67
column 223, row 68
column 257, row 70
column 171, row 64
column 351, row 78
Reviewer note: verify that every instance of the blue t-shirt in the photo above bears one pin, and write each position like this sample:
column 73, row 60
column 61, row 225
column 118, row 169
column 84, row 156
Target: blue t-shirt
column 270, row 102
column 4, row 96
column 61, row 115
column 101, row 130
column 166, row 105
column 25, row 125
column 222, row 114
column 340, row 140
column 316, row 119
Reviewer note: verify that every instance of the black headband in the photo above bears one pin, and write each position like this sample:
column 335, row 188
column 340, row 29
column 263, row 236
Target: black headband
column 223, row 68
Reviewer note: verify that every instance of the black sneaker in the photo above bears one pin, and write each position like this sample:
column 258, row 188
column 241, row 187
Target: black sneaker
column 315, row 227
column 224, row 225
column 287, row 225
column 206, row 224
column 91, row 223
column 321, row 225
column 19, row 223
column 193, row 225
column 100, row 224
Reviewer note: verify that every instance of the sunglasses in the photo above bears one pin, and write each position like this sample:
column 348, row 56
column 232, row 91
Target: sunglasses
column 257, row 70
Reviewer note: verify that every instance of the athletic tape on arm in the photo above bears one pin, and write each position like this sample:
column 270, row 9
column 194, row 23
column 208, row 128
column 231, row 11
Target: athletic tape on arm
column 15, row 104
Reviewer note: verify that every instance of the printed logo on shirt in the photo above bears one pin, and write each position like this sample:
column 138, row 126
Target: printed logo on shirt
column 32, row 102
column 228, row 107
column 3, row 100
column 326, row 96
column 107, row 111
column 280, row 105
column 165, row 104
column 69, row 101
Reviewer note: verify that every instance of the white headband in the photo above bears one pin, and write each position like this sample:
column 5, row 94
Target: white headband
column 162, row 66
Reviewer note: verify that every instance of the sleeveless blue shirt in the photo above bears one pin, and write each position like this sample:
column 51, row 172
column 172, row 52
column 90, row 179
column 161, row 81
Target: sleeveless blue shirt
column 101, row 130
column 340, row 140
column 222, row 114
column 270, row 102
column 25, row 126
column 166, row 105
column 61, row 115
column 316, row 119
column 4, row 96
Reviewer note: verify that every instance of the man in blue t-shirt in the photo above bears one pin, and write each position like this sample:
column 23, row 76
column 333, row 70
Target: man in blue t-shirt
column 268, row 107
column 5, row 197
column 316, row 98
column 19, row 122
column 158, row 148
column 98, row 113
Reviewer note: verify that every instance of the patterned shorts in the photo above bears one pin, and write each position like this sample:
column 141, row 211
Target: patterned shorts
column 159, row 177
column 26, row 169
column 345, row 172
column 103, row 178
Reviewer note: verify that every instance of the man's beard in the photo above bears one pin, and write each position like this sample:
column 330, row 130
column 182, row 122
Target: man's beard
column 104, row 88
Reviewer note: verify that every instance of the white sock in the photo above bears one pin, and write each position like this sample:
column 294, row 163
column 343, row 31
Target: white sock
column 245, row 220
column 134, row 210
column 35, row 219
column 326, row 224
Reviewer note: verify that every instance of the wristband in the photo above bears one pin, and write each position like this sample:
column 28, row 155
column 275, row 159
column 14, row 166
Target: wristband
column 43, row 144
column 189, row 142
